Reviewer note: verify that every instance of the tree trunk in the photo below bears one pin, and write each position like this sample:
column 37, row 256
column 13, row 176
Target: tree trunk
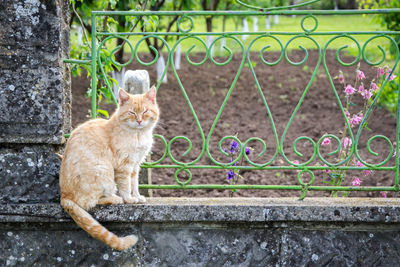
column 209, row 24
column 120, row 53
column 351, row 4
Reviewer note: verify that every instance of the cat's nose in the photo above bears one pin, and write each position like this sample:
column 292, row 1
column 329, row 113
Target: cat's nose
column 139, row 121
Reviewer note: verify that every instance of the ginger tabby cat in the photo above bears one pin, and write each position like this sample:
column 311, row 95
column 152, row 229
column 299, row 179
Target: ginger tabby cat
column 102, row 153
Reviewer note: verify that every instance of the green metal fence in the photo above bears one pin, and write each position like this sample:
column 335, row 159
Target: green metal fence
column 303, row 169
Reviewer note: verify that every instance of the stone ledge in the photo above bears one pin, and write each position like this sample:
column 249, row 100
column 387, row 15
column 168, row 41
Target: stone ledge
column 366, row 210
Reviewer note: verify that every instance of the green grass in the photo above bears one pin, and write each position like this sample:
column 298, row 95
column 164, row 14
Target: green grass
column 292, row 24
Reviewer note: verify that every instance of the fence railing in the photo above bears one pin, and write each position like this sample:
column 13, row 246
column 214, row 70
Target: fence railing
column 317, row 161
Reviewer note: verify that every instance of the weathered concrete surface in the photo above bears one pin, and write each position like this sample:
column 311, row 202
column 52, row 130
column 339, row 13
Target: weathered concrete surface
column 210, row 232
column 34, row 84
column 360, row 210
column 29, row 174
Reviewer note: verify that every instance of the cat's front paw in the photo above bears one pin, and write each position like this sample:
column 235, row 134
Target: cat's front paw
column 135, row 200
column 142, row 199
column 131, row 200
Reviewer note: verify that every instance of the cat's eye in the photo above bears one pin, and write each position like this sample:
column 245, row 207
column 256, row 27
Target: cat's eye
column 145, row 111
column 132, row 113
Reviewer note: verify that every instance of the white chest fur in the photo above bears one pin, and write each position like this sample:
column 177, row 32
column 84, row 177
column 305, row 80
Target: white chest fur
column 131, row 150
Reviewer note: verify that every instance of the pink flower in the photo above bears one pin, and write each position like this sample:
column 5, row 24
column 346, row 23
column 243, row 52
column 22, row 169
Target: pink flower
column 341, row 78
column 384, row 194
column 356, row 119
column 391, row 76
column 326, row 170
column 361, row 88
column 360, row 75
column 326, row 141
column 366, row 94
column 374, row 87
column 359, row 164
column 356, row 181
column 347, row 142
column 367, row 172
column 394, row 153
column 347, row 114
column 349, row 90
column 295, row 161
column 381, row 71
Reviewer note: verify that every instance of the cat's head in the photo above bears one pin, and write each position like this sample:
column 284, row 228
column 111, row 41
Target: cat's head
column 138, row 111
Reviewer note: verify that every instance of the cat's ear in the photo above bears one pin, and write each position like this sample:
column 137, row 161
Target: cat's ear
column 123, row 96
column 151, row 94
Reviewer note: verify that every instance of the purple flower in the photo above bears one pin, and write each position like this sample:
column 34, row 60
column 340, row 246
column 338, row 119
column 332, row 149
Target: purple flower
column 234, row 146
column 247, row 151
column 234, row 164
column 384, row 194
column 231, row 175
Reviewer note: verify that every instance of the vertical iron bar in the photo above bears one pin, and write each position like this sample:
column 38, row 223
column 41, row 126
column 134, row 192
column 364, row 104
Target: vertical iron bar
column 396, row 179
column 94, row 83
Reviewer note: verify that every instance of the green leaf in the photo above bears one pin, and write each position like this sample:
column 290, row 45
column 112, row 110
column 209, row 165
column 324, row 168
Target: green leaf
column 113, row 3
column 113, row 80
column 111, row 20
column 103, row 112
column 104, row 91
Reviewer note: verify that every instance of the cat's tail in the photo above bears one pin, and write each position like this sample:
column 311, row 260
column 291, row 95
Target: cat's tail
column 94, row 228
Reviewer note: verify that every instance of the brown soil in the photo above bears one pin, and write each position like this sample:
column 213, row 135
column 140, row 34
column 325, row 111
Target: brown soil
column 245, row 115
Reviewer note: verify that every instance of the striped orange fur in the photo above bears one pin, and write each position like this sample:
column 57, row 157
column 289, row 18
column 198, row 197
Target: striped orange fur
column 101, row 154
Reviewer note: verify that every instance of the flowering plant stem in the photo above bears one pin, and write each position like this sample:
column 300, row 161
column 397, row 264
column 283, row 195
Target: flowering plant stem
column 347, row 144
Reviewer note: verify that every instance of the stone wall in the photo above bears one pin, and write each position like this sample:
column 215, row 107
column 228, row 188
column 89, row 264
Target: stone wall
column 35, row 97
column 210, row 232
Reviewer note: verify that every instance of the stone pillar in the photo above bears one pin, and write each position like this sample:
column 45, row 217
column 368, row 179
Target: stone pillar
column 34, row 97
